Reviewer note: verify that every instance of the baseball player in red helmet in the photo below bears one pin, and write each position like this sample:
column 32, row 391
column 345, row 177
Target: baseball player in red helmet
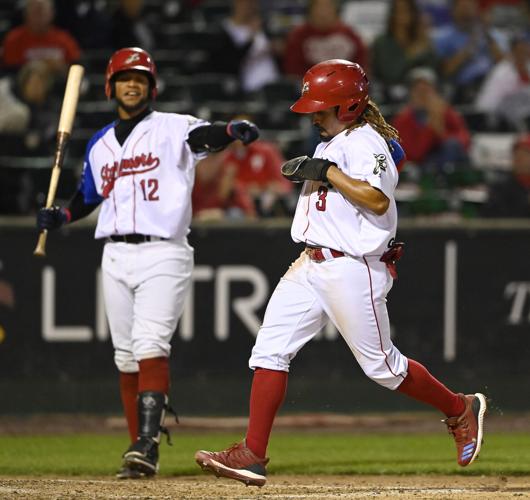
column 140, row 170
column 346, row 217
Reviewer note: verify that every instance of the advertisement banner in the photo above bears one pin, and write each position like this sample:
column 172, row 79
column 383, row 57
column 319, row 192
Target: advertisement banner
column 461, row 306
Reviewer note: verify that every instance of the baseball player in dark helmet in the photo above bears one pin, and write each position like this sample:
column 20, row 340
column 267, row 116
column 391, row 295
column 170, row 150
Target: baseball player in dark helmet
column 140, row 170
column 346, row 216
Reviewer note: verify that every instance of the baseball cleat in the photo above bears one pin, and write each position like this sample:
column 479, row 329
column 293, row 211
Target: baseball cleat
column 468, row 428
column 127, row 472
column 237, row 462
column 142, row 456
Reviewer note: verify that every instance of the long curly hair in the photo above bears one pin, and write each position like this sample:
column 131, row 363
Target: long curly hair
column 373, row 117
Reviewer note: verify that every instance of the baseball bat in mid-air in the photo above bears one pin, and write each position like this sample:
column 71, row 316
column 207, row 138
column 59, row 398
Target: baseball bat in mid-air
column 71, row 96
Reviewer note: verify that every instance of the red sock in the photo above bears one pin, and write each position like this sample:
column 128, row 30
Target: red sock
column 421, row 385
column 266, row 397
column 129, row 393
column 154, row 375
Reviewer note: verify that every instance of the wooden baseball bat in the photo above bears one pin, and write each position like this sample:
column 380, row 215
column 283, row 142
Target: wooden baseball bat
column 71, row 96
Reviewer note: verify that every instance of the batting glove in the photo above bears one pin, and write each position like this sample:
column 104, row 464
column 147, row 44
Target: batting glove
column 303, row 168
column 52, row 218
column 243, row 130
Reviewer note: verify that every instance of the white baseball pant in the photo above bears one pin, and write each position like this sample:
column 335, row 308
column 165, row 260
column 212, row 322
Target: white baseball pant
column 350, row 292
column 144, row 286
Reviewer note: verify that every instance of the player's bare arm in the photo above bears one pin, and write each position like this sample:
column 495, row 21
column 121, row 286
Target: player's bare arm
column 358, row 192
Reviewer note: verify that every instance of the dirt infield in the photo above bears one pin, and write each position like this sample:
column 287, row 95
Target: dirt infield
column 278, row 488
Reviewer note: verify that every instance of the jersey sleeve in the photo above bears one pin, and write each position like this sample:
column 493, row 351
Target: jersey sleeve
column 87, row 185
column 368, row 159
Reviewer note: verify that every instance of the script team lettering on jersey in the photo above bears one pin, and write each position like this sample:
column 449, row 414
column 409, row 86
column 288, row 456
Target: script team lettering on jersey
column 155, row 163
column 128, row 166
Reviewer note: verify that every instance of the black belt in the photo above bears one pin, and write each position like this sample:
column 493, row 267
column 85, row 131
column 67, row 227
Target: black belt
column 135, row 238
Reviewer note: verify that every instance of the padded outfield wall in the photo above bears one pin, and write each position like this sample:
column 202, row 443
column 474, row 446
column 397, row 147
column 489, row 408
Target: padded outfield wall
column 461, row 306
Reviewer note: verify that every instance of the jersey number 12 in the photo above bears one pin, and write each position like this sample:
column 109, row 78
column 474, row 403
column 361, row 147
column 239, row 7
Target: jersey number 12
column 149, row 189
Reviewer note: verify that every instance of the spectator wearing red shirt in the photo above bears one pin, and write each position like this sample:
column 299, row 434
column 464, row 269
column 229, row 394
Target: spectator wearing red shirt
column 257, row 171
column 38, row 39
column 433, row 134
column 323, row 36
column 216, row 193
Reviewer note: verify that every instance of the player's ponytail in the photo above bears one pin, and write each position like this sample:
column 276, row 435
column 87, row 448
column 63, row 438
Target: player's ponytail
column 373, row 117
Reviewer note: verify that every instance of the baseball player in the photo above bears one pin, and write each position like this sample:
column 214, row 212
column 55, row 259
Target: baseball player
column 140, row 169
column 346, row 216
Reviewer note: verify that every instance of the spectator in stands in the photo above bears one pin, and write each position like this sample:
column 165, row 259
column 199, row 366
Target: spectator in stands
column 38, row 39
column 34, row 87
column 243, row 49
column 15, row 115
column 510, row 195
column 216, row 193
column 128, row 28
column 505, row 92
column 405, row 45
column 433, row 134
column 438, row 12
column 257, row 172
column 323, row 36
column 468, row 49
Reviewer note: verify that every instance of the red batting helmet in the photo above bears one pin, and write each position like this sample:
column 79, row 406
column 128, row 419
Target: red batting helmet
column 336, row 82
column 130, row 58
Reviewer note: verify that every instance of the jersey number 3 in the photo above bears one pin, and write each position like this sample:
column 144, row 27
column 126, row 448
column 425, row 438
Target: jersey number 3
column 321, row 202
column 149, row 189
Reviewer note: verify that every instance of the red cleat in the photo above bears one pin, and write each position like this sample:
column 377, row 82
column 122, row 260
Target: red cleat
column 468, row 428
column 237, row 462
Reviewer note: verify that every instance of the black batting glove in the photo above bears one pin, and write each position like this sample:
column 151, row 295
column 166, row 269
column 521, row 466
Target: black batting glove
column 242, row 130
column 52, row 218
column 303, row 168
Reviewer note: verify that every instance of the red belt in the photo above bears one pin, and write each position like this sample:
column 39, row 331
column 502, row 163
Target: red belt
column 316, row 254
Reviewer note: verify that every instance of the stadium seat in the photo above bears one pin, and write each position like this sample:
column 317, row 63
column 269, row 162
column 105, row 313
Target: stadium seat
column 95, row 60
column 213, row 87
column 285, row 89
column 184, row 37
column 491, row 150
column 95, row 114
column 366, row 18
column 213, row 11
column 93, row 87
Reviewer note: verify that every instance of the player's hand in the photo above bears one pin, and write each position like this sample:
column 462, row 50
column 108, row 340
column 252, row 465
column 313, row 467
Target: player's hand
column 303, row 168
column 51, row 218
column 243, row 130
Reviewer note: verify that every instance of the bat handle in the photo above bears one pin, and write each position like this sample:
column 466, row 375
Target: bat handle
column 40, row 249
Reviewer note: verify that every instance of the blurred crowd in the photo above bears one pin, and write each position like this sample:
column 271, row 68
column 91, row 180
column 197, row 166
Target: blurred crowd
column 453, row 76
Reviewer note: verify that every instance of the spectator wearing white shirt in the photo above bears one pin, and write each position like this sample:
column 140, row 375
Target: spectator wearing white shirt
column 505, row 92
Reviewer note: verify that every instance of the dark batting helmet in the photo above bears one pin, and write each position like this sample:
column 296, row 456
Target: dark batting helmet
column 128, row 59
column 332, row 83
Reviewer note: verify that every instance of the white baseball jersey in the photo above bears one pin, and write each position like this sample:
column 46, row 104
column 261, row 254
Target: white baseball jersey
column 324, row 217
column 145, row 185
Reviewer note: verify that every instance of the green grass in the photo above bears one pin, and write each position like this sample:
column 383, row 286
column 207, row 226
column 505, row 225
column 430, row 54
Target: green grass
column 302, row 453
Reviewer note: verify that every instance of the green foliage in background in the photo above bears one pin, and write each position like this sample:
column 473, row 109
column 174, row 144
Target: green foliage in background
column 301, row 453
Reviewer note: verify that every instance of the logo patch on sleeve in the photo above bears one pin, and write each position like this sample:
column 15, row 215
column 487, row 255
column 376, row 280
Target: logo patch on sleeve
column 380, row 163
